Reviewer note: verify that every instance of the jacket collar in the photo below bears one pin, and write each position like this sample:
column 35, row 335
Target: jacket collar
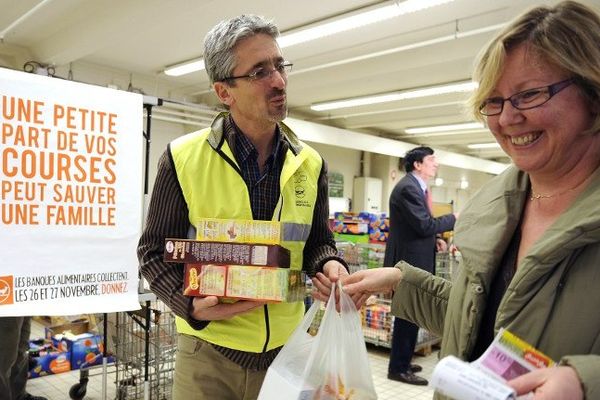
column 485, row 228
column 216, row 138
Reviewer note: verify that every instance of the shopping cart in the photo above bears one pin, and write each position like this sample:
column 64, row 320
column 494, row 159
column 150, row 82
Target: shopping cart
column 103, row 359
column 447, row 264
column 378, row 326
column 145, row 346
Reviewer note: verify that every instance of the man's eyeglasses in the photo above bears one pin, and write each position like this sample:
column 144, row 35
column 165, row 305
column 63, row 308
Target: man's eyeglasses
column 262, row 73
column 525, row 100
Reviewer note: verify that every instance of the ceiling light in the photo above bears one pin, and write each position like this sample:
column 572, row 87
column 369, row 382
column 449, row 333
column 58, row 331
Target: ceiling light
column 317, row 31
column 395, row 96
column 445, row 128
column 356, row 21
column 185, row 68
column 494, row 145
column 464, row 183
column 439, row 181
column 22, row 19
column 456, row 35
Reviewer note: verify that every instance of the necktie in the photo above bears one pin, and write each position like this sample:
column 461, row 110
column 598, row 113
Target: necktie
column 429, row 200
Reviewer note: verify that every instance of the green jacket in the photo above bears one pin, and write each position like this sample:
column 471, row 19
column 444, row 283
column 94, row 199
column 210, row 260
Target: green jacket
column 553, row 301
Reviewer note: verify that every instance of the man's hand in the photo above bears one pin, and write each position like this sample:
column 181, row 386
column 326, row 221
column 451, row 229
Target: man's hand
column 209, row 309
column 440, row 245
column 549, row 384
column 361, row 284
column 333, row 271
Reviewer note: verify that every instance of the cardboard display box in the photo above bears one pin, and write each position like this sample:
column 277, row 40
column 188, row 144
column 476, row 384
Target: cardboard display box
column 47, row 359
column 73, row 338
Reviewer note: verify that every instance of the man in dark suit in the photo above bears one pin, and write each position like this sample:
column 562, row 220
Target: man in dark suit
column 413, row 239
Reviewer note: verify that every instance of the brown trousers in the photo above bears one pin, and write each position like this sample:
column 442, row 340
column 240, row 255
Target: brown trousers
column 202, row 373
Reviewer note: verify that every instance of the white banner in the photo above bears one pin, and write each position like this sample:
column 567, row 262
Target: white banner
column 71, row 182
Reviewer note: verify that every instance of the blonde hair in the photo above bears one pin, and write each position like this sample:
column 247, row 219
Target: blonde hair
column 566, row 36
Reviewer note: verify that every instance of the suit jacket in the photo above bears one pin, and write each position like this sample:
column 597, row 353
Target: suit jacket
column 412, row 227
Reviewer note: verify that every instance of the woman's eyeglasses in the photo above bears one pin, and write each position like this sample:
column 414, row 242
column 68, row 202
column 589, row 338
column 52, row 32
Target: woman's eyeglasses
column 525, row 100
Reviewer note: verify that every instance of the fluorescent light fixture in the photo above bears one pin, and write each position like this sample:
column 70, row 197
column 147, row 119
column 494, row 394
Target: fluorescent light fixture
column 303, row 35
column 445, row 128
column 476, row 146
column 185, row 68
column 456, row 35
column 356, row 21
column 396, row 96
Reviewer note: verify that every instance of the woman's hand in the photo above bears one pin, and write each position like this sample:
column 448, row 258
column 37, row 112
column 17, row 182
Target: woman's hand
column 361, row 284
column 549, row 384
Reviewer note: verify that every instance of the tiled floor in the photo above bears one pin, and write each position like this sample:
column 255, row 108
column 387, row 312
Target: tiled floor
column 392, row 390
column 56, row 387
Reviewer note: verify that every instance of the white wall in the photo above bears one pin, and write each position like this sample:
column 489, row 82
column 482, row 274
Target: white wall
column 341, row 160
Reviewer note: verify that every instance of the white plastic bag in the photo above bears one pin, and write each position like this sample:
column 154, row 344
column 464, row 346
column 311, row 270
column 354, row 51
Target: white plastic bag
column 333, row 365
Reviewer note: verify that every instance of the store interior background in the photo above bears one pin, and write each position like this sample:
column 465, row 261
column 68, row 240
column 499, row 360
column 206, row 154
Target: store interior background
column 127, row 45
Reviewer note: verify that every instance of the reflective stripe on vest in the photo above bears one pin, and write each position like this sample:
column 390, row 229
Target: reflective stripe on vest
column 213, row 188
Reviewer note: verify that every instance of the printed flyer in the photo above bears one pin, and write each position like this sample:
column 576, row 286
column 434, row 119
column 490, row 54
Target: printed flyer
column 71, row 196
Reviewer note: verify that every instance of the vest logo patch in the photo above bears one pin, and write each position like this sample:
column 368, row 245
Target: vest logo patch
column 300, row 177
column 300, row 190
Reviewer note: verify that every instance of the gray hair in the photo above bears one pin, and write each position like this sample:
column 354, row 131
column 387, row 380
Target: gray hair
column 219, row 42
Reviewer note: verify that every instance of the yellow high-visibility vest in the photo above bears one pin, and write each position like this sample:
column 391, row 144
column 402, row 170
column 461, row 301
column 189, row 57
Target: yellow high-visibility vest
column 213, row 187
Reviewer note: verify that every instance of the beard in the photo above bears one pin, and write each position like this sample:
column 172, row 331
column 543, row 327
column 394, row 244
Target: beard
column 277, row 113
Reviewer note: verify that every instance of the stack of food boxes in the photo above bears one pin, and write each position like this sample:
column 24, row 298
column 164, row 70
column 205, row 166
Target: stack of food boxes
column 237, row 259
column 348, row 227
column 378, row 226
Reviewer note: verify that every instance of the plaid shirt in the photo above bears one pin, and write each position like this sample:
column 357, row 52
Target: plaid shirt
column 264, row 189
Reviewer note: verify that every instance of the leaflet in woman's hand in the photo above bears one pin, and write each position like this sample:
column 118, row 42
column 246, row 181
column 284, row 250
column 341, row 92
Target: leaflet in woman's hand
column 509, row 357
column 506, row 358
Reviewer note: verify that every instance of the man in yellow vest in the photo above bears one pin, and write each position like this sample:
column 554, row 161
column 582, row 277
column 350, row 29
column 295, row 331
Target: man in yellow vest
column 246, row 165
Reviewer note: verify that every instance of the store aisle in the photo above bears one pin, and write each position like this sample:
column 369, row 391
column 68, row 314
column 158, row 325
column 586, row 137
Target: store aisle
column 56, row 387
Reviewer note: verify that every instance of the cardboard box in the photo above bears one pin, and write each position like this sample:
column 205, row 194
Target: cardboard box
column 47, row 359
column 85, row 348
column 353, row 227
column 200, row 252
column 73, row 338
column 238, row 231
column 244, row 282
column 74, row 327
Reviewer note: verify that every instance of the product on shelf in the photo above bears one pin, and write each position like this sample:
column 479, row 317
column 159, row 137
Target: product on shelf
column 378, row 325
column 362, row 255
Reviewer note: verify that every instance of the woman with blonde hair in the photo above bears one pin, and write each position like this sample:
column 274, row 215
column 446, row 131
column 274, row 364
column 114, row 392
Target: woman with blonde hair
column 530, row 239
